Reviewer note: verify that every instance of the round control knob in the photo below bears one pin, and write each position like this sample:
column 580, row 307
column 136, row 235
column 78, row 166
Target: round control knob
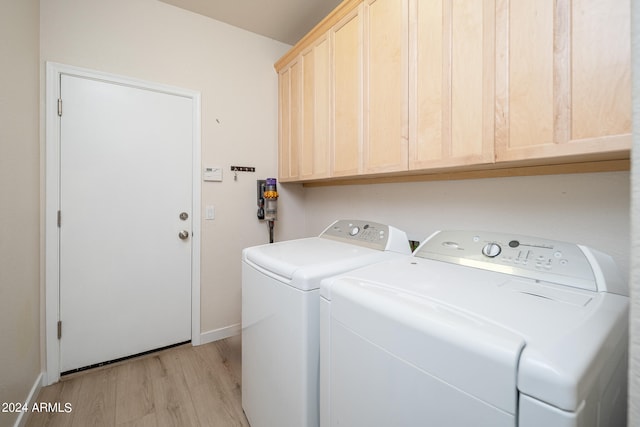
column 491, row 250
column 354, row 231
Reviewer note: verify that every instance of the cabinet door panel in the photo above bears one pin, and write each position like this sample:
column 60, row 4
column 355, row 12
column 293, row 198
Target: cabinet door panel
column 430, row 84
column 284, row 139
column 295, row 101
column 347, row 94
column 314, row 147
column 601, row 83
column 308, row 114
column 451, row 83
column 531, row 73
column 386, row 115
column 322, row 122
column 467, row 77
column 563, row 79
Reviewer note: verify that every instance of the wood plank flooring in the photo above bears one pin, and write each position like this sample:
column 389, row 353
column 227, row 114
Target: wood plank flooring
column 183, row 386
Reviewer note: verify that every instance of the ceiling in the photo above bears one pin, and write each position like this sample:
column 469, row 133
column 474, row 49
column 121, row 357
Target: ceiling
column 283, row 20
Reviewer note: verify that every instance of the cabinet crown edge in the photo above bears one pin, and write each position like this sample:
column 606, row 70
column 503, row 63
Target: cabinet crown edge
column 322, row 27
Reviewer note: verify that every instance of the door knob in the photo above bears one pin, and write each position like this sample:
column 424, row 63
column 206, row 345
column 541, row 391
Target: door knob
column 183, row 235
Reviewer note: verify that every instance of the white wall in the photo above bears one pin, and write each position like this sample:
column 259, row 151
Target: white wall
column 19, row 202
column 634, row 351
column 591, row 209
column 233, row 70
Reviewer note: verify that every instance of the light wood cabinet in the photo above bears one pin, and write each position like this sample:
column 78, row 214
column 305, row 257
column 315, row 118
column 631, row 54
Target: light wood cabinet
column 563, row 79
column 402, row 87
column 304, row 115
column 370, row 88
column 386, row 76
column 290, row 121
column 346, row 38
column 452, row 83
column 316, row 110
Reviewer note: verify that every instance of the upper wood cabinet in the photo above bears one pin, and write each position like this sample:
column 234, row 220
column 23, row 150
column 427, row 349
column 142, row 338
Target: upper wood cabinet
column 315, row 141
column 404, row 86
column 386, row 75
column 289, row 117
column 452, row 83
column 304, row 115
column 563, row 78
column 347, row 112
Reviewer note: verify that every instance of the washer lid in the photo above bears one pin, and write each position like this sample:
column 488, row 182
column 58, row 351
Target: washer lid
column 568, row 336
column 304, row 262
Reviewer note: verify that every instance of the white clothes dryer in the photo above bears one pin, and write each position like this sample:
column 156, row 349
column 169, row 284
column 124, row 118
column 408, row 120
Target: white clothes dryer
column 280, row 320
column 477, row 329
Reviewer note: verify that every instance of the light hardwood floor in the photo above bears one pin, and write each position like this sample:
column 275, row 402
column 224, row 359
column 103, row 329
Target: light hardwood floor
column 182, row 386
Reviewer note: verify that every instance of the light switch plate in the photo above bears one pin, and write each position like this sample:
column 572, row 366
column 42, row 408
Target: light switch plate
column 209, row 212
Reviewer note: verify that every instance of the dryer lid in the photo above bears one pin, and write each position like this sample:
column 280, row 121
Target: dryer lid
column 468, row 353
column 568, row 336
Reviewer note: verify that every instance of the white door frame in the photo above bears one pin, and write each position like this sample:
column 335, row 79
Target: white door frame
column 52, row 202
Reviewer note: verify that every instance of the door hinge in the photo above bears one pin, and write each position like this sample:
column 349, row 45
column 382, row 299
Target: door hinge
column 60, row 107
column 59, row 329
column 59, row 218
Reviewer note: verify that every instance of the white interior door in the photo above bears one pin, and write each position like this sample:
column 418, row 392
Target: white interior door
column 125, row 178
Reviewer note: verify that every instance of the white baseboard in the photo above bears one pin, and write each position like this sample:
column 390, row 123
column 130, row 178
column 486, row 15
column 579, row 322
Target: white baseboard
column 21, row 421
column 220, row 334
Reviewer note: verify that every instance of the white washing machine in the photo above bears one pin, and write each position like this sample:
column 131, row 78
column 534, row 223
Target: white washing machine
column 280, row 320
column 477, row 329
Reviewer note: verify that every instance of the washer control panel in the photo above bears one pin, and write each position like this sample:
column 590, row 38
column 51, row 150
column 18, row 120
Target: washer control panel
column 370, row 234
column 532, row 257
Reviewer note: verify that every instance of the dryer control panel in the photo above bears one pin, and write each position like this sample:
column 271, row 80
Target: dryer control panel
column 370, row 234
column 536, row 258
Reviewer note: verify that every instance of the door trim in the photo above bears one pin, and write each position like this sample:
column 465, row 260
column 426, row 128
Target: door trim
column 52, row 202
